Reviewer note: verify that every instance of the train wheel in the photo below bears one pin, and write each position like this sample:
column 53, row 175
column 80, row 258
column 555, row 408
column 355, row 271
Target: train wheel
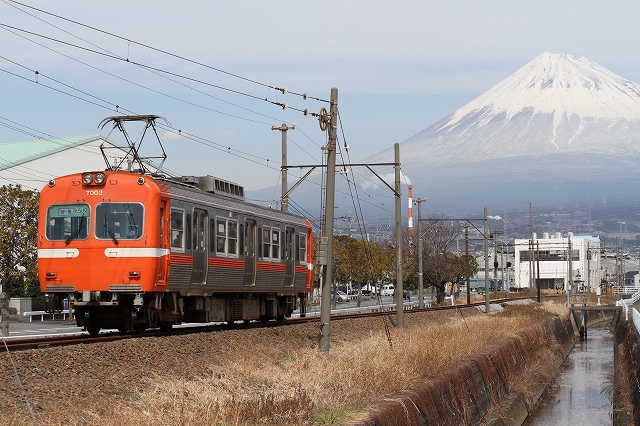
column 122, row 329
column 93, row 329
column 139, row 328
column 264, row 319
column 279, row 318
column 166, row 326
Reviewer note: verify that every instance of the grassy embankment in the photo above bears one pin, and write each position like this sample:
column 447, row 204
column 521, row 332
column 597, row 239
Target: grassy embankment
column 306, row 387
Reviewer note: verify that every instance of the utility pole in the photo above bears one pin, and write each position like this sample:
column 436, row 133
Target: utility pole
column 466, row 253
column 538, row 268
column 495, row 262
column 399, row 299
column 486, row 262
column 570, row 269
column 4, row 309
column 419, row 202
column 285, row 198
column 531, row 251
column 327, row 239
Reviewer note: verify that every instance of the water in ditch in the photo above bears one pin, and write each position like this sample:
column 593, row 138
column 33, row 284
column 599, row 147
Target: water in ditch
column 582, row 393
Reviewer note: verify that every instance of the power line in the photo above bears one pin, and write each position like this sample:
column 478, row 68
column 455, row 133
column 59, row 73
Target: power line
column 283, row 105
column 154, row 90
column 282, row 90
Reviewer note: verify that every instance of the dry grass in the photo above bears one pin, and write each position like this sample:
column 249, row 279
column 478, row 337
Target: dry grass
column 262, row 377
column 306, row 387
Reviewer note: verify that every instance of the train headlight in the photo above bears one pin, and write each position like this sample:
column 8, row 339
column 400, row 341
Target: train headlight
column 140, row 180
column 87, row 179
column 99, row 178
column 52, row 183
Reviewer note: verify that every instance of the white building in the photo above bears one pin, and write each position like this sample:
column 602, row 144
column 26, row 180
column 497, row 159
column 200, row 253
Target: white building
column 556, row 271
column 32, row 164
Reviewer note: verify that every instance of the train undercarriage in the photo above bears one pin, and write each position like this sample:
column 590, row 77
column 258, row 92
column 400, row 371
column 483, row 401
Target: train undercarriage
column 137, row 312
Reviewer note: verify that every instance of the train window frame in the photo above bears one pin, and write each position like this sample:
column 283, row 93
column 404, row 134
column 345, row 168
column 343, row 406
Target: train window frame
column 133, row 232
column 301, row 248
column 70, row 234
column 177, row 232
column 226, row 244
column 271, row 243
column 187, row 232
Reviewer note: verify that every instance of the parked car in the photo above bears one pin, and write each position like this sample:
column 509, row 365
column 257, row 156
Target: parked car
column 480, row 290
column 341, row 296
column 388, row 290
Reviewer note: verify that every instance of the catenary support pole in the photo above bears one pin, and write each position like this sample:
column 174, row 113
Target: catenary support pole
column 285, row 199
column 399, row 299
column 486, row 261
column 325, row 311
column 538, row 268
column 466, row 253
column 419, row 201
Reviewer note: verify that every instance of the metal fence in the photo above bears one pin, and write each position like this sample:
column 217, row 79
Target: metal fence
column 627, row 305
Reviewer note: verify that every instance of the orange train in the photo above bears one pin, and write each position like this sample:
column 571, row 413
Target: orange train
column 132, row 251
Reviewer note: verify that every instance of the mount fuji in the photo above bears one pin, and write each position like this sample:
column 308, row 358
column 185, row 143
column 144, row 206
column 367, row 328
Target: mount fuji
column 562, row 130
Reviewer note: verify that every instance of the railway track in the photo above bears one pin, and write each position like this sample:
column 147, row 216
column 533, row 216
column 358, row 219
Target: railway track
column 54, row 341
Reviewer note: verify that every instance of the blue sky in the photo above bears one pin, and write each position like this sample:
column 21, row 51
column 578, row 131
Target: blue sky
column 399, row 67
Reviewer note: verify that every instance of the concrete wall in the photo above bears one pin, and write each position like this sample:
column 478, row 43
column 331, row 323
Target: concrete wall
column 464, row 394
column 20, row 304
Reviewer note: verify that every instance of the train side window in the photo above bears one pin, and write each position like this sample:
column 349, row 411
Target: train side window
column 266, row 242
column 302, row 248
column 221, row 236
column 289, row 240
column 187, row 232
column 270, row 243
column 232, row 241
column 194, row 232
column 275, row 244
column 201, row 231
column 177, row 229
column 226, row 234
column 241, row 240
column 212, row 235
column 259, row 242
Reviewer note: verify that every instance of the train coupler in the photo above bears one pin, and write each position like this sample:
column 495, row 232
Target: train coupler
column 138, row 301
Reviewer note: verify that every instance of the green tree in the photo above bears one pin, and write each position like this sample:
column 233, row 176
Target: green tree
column 18, row 234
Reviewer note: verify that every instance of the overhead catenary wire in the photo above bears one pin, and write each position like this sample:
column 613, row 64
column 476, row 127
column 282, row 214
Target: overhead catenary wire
column 283, row 105
column 118, row 109
column 283, row 90
column 158, row 91
column 114, row 106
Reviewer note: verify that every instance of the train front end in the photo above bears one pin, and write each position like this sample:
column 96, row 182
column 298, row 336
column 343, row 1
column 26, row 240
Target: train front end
column 102, row 246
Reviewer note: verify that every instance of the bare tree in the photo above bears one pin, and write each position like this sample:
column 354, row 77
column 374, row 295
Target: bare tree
column 441, row 264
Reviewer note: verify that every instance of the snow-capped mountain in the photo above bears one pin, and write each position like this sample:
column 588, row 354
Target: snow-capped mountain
column 561, row 121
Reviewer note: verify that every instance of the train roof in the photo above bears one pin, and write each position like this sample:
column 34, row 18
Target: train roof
column 187, row 192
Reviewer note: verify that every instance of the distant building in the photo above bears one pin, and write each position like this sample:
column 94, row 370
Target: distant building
column 32, row 164
column 556, row 270
column 632, row 279
column 503, row 273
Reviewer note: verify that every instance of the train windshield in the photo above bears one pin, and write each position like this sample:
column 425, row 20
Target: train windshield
column 68, row 222
column 119, row 221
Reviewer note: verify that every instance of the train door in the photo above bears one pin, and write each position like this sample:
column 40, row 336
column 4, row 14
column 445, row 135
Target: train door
column 164, row 244
column 200, row 247
column 289, row 257
column 250, row 255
